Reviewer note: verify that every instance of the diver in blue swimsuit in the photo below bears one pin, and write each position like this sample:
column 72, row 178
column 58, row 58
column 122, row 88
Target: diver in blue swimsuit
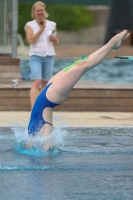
column 42, row 102
column 60, row 85
column 37, row 121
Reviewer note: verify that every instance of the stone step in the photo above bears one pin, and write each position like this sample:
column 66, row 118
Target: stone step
column 83, row 97
column 9, row 68
column 64, row 108
column 9, row 80
column 4, row 60
column 76, row 51
column 14, row 93
column 7, row 75
column 9, row 61
column 5, row 55
column 23, row 104
column 82, row 102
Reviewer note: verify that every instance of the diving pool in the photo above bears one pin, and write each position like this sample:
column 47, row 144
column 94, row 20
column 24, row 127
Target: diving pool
column 92, row 163
column 113, row 70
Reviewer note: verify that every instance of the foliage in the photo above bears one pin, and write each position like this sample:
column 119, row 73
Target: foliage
column 70, row 17
column 24, row 15
column 67, row 17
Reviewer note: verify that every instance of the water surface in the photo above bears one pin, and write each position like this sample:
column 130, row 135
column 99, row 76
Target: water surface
column 114, row 70
column 93, row 163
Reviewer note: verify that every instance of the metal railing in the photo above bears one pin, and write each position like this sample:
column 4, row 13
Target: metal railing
column 8, row 27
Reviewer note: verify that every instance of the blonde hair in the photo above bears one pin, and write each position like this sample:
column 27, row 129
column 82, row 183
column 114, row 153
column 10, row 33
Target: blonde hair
column 38, row 3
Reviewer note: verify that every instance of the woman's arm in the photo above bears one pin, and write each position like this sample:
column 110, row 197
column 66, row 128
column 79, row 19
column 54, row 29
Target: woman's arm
column 30, row 36
column 53, row 37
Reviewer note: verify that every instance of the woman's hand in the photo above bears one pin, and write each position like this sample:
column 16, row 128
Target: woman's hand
column 30, row 36
column 42, row 25
column 54, row 39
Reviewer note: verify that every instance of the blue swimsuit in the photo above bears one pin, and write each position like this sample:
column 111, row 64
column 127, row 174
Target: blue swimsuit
column 36, row 119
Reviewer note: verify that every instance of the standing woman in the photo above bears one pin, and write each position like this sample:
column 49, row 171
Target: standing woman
column 41, row 34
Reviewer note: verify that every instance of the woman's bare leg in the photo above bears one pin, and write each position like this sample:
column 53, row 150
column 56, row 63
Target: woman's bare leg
column 65, row 80
column 34, row 91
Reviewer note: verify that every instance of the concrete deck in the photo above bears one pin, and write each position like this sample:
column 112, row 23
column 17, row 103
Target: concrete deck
column 76, row 51
column 71, row 119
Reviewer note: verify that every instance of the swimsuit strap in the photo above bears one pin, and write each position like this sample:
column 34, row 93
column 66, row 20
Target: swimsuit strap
column 48, row 123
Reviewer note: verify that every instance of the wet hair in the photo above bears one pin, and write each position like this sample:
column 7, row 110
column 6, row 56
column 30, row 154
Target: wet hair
column 38, row 3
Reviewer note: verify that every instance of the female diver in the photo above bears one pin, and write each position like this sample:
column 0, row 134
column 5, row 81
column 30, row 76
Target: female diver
column 60, row 85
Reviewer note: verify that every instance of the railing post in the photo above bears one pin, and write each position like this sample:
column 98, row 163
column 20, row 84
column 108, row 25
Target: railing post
column 14, row 27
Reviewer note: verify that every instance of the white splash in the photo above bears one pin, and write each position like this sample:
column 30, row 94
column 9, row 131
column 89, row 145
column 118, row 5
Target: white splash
column 56, row 139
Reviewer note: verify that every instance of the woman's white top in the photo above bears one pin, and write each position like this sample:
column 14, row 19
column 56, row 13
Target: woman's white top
column 43, row 46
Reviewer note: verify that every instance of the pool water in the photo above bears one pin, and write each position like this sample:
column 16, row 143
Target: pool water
column 92, row 164
column 113, row 70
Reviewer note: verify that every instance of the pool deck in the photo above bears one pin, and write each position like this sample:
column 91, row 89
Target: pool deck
column 76, row 51
column 71, row 119
column 80, row 118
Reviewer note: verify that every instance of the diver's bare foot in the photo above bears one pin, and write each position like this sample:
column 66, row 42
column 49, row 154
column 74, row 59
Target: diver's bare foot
column 28, row 145
column 117, row 39
column 49, row 145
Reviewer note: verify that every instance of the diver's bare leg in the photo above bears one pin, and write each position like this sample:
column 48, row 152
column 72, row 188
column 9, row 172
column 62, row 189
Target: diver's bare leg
column 65, row 80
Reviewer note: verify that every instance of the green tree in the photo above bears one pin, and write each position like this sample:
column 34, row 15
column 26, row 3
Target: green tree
column 67, row 17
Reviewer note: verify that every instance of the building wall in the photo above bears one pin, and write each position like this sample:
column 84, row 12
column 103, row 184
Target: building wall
column 88, row 36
